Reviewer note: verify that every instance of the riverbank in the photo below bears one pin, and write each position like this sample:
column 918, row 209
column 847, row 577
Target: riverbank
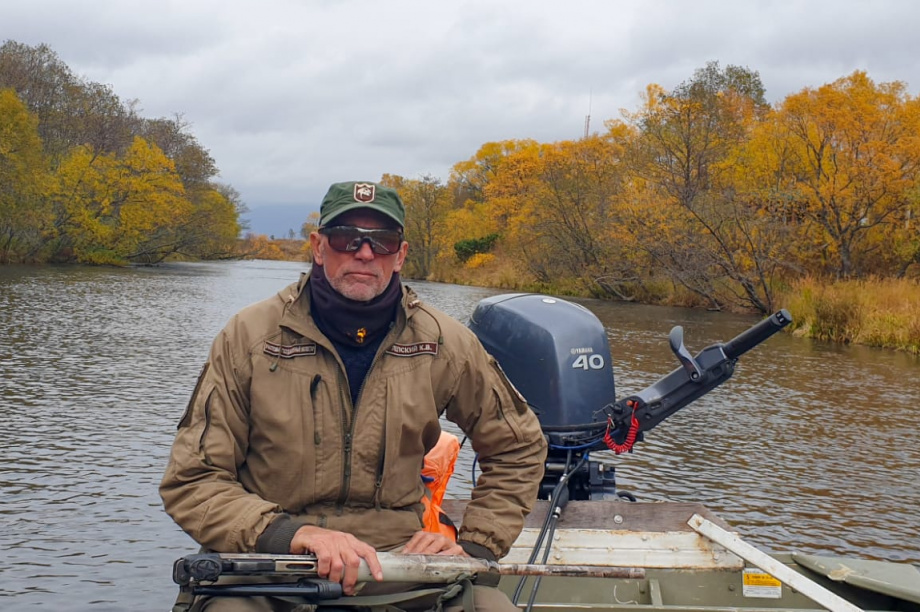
column 883, row 313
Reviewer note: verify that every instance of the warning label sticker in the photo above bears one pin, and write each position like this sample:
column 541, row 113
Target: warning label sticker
column 757, row 583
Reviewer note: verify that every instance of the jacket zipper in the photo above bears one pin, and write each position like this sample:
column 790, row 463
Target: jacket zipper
column 349, row 430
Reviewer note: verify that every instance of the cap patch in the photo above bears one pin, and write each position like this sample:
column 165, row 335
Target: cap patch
column 365, row 192
column 349, row 195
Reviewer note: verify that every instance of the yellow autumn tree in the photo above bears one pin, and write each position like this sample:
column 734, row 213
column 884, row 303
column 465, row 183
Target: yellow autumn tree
column 258, row 246
column 25, row 217
column 852, row 165
column 470, row 225
column 427, row 203
column 487, row 191
column 469, row 178
column 209, row 231
column 688, row 142
column 310, row 225
column 514, row 188
column 561, row 228
column 110, row 208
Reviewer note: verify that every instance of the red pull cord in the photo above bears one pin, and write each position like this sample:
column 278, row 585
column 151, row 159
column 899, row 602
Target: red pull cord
column 627, row 444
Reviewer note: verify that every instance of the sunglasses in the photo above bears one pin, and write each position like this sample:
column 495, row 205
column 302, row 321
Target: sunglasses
column 348, row 239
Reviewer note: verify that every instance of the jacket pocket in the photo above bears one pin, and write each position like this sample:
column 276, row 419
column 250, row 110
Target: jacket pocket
column 511, row 404
column 187, row 415
column 287, row 433
column 313, row 469
column 408, row 429
column 317, row 414
column 508, row 416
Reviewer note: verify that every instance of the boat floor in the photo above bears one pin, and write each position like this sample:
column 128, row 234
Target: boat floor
column 684, row 570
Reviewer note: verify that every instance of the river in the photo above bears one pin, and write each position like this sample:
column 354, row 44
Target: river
column 809, row 446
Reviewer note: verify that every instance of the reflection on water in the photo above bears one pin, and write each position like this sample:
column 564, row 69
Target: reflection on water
column 809, row 446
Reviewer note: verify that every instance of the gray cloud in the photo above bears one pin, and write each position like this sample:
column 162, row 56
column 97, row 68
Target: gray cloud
column 291, row 95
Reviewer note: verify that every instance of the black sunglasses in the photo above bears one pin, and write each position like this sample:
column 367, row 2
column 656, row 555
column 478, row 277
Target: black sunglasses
column 348, row 238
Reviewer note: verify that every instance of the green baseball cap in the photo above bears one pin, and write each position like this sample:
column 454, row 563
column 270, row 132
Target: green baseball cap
column 343, row 197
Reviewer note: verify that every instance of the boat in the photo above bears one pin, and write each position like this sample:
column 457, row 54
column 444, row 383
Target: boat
column 690, row 561
column 587, row 545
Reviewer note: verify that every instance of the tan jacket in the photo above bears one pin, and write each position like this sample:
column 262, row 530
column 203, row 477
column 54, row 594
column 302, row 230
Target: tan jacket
column 270, row 429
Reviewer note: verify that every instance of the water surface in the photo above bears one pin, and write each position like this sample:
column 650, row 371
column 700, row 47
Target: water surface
column 809, row 446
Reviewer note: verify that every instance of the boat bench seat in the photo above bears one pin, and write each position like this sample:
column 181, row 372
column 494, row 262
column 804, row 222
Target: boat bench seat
column 620, row 534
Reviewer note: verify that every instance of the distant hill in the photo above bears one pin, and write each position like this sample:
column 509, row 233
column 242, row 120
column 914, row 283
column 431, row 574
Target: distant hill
column 277, row 219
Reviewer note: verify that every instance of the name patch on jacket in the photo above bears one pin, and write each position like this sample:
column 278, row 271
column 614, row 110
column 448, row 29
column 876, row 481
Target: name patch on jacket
column 289, row 351
column 411, row 350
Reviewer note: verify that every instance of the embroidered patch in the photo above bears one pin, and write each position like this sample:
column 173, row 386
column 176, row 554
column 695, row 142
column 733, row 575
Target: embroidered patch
column 289, row 352
column 365, row 192
column 411, row 350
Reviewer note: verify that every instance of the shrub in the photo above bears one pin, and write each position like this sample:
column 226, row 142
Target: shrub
column 479, row 260
column 874, row 312
column 467, row 248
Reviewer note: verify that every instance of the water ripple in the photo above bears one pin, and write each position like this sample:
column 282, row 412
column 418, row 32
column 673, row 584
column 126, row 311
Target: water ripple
column 808, row 447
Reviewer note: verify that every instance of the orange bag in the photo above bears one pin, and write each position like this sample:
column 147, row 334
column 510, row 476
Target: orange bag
column 438, row 468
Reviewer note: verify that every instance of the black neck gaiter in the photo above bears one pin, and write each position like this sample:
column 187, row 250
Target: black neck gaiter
column 348, row 321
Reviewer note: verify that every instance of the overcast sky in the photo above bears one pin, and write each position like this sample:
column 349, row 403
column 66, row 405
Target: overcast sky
column 291, row 95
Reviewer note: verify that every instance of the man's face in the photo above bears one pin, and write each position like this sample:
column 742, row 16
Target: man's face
column 359, row 275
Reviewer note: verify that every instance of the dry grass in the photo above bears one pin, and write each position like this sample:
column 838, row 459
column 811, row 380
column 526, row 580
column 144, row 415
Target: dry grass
column 884, row 313
column 261, row 247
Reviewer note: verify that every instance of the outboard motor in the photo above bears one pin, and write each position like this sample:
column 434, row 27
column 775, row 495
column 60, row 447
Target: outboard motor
column 556, row 353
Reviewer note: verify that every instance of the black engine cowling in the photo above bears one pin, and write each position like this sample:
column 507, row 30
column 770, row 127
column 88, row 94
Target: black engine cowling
column 555, row 352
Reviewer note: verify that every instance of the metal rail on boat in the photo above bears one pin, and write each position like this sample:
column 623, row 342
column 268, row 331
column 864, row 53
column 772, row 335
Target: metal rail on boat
column 807, row 587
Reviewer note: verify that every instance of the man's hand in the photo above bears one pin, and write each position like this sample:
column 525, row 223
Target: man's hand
column 429, row 543
column 338, row 555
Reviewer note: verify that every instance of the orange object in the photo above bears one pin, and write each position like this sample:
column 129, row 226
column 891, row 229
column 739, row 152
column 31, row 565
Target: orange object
column 438, row 468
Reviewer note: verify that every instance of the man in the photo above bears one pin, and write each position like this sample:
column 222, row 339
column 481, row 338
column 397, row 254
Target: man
column 309, row 423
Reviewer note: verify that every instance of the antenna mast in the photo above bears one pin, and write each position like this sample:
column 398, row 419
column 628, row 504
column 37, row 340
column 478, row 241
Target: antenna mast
column 588, row 116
